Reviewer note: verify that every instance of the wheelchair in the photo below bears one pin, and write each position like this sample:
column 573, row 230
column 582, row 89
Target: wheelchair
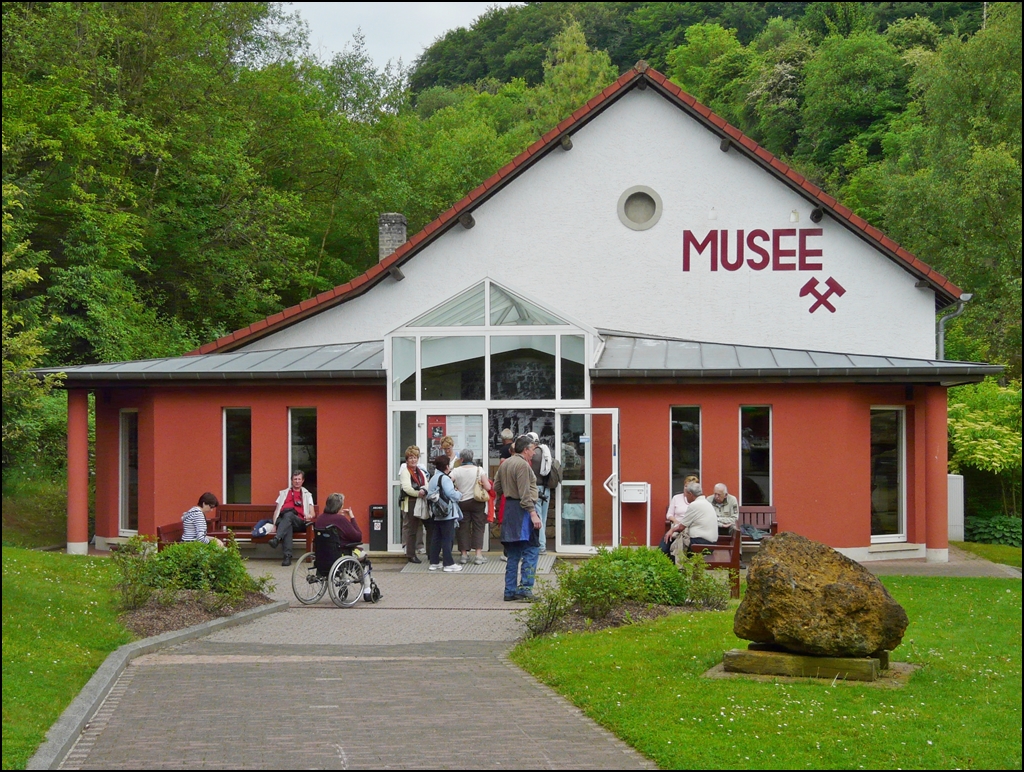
column 341, row 570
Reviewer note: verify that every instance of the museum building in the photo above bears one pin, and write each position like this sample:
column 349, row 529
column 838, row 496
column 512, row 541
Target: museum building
column 645, row 287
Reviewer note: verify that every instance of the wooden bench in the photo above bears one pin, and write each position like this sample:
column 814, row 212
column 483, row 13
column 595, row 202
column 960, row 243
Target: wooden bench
column 238, row 520
column 725, row 553
column 172, row 532
column 760, row 517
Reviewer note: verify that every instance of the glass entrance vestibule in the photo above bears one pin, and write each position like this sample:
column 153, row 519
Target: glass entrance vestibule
column 490, row 359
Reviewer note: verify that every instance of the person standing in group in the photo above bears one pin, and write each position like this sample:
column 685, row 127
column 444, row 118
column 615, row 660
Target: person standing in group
column 506, row 444
column 541, row 466
column 294, row 510
column 448, row 448
column 446, row 514
column 414, row 488
column 193, row 522
column 471, row 531
column 519, row 531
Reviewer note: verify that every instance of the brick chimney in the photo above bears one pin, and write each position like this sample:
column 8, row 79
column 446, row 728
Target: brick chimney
column 391, row 233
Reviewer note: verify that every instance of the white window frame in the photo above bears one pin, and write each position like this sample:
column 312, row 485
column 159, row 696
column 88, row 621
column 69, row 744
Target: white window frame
column 900, row 537
column 224, row 448
column 122, row 465
column 592, row 345
column 291, row 465
column 771, row 454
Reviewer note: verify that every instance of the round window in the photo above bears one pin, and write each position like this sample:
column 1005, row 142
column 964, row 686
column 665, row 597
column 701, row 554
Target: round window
column 639, row 208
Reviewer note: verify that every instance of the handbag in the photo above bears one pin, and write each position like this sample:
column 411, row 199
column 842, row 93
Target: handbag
column 421, row 510
column 479, row 492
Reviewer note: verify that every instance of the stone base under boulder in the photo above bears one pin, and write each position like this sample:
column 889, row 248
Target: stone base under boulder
column 775, row 661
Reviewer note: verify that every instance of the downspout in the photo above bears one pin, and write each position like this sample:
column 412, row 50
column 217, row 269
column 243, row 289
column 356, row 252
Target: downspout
column 940, row 345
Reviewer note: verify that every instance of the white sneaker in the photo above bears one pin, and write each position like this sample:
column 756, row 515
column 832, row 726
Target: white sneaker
column 434, row 566
column 453, row 568
column 503, row 558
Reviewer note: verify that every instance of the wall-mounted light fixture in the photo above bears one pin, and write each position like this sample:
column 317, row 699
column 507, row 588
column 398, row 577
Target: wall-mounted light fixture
column 712, row 214
column 794, row 216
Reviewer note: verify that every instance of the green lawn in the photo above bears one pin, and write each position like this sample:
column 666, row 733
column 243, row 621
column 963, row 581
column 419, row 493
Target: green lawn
column 59, row 624
column 997, row 553
column 961, row 710
column 34, row 507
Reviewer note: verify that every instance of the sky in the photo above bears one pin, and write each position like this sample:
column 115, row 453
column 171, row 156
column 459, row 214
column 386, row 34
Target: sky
column 392, row 30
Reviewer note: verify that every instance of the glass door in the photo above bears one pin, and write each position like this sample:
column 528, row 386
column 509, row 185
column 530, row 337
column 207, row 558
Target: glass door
column 587, row 514
column 426, row 428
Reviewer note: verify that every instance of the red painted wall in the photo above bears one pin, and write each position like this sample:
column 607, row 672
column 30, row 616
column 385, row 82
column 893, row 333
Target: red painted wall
column 821, row 450
column 181, row 447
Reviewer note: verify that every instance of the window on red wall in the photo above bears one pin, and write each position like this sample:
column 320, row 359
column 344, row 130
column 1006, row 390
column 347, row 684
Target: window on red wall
column 685, row 445
column 237, row 455
column 756, row 455
column 302, row 429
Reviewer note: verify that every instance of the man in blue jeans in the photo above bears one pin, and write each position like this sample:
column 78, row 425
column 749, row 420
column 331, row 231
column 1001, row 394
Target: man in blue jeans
column 521, row 525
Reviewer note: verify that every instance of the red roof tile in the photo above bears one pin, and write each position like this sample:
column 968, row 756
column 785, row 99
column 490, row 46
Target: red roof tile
column 525, row 159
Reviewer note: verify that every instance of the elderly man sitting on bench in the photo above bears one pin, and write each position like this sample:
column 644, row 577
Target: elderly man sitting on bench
column 696, row 527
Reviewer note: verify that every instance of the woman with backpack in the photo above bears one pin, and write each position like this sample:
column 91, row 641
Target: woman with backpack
column 443, row 497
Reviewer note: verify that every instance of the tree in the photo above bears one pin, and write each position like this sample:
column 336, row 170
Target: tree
column 985, row 433
column 22, row 350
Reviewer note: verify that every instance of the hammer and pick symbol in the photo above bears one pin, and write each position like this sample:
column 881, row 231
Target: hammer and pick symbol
column 833, row 288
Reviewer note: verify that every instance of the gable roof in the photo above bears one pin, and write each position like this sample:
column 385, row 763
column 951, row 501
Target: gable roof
column 641, row 76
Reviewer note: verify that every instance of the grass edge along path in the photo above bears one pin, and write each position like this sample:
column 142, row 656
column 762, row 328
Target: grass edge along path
column 962, row 709
column 59, row 624
column 997, row 553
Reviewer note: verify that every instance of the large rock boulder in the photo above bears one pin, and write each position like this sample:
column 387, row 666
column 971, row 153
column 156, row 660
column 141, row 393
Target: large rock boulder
column 808, row 598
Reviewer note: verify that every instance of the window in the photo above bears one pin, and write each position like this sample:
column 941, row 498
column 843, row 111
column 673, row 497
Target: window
column 574, row 363
column 685, row 445
column 237, row 455
column 523, row 367
column 302, row 450
column 452, row 367
column 756, row 456
column 403, row 368
column 887, row 471
column 129, row 470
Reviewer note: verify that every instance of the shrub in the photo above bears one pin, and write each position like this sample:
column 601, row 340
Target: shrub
column 994, row 530
column 204, row 568
column 611, row 577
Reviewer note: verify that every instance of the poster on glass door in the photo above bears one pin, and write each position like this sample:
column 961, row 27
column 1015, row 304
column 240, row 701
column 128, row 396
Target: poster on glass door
column 466, row 431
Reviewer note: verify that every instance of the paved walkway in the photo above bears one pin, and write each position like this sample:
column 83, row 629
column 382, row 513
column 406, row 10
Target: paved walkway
column 420, row 680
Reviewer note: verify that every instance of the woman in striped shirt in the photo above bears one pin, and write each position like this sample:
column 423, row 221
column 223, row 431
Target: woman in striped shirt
column 194, row 521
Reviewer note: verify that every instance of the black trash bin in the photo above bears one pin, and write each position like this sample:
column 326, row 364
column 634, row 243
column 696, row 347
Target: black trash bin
column 378, row 528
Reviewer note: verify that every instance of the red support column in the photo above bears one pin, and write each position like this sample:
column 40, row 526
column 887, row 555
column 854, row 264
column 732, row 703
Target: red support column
column 78, row 472
column 936, row 476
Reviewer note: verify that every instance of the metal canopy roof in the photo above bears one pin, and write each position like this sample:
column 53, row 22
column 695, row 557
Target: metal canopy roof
column 624, row 356
column 631, row 356
column 346, row 360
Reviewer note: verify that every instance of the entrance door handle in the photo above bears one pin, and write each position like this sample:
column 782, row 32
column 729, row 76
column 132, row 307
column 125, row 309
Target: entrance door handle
column 612, row 489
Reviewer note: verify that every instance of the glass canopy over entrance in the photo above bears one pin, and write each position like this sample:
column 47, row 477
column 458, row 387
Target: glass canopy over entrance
column 482, row 361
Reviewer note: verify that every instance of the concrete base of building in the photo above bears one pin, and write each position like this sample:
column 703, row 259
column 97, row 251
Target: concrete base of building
column 937, row 556
column 78, row 548
column 889, row 551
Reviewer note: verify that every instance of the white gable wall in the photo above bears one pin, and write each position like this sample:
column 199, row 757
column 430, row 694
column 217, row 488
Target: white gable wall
column 554, row 234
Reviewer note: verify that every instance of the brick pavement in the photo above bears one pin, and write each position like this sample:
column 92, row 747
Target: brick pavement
column 420, row 680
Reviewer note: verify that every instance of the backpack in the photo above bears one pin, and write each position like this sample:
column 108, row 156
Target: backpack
column 555, row 475
column 438, row 503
